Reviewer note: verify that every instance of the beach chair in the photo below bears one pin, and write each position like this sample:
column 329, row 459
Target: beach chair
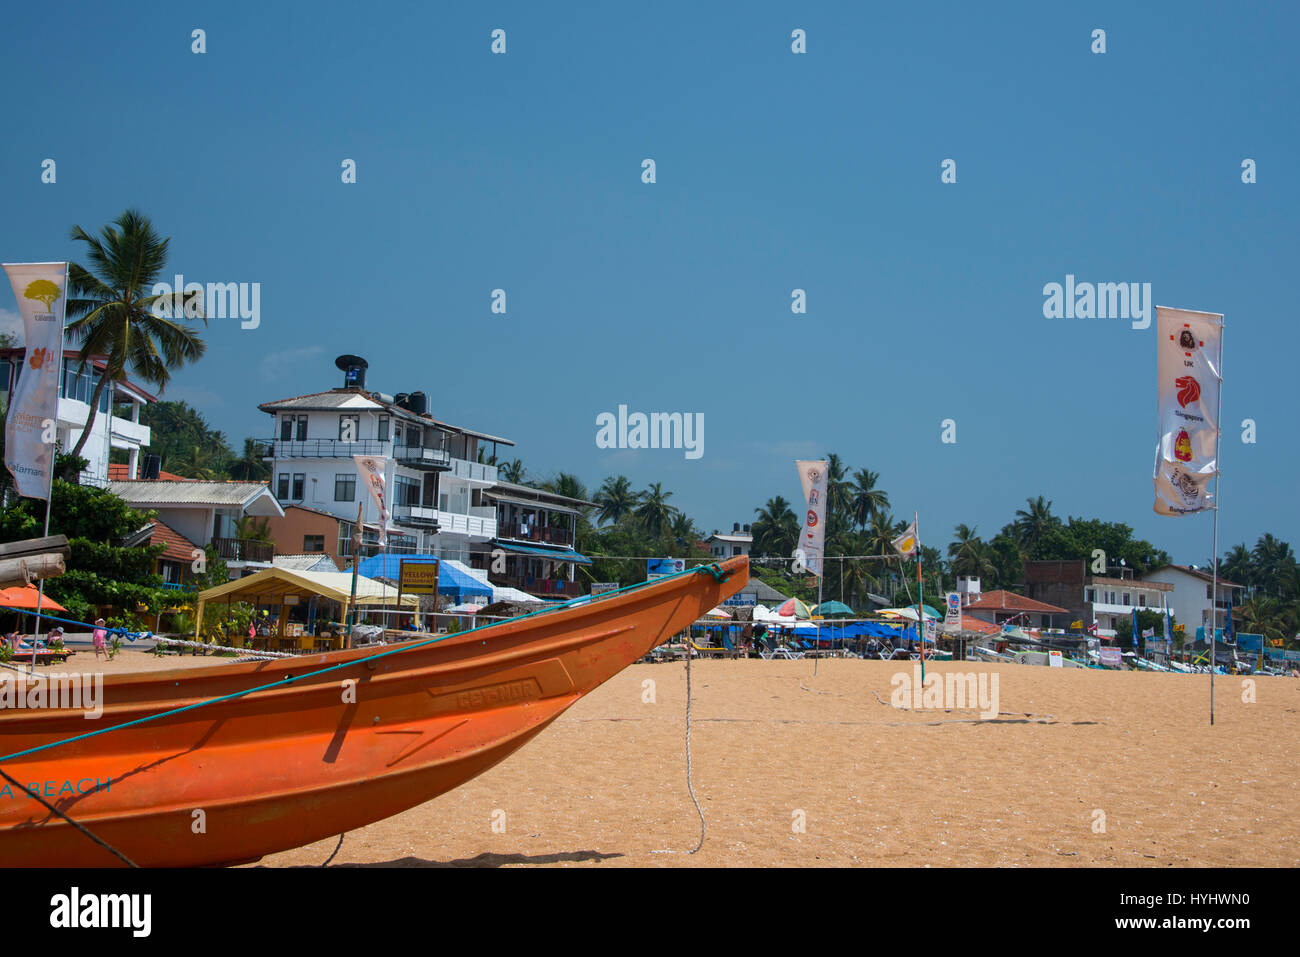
column 708, row 650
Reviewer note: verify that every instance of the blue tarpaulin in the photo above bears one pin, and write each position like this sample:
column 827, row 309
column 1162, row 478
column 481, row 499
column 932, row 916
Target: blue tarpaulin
column 451, row 581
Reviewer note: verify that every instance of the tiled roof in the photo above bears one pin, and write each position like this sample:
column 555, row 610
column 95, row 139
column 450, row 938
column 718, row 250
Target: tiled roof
column 179, row 548
column 324, row 401
column 120, row 472
column 1009, row 601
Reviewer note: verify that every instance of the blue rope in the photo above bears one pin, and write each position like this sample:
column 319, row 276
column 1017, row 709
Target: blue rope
column 711, row 568
column 132, row 635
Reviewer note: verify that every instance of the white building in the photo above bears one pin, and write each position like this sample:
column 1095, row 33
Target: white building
column 120, row 431
column 434, row 480
column 206, row 514
column 738, row 542
column 1112, row 600
column 1191, row 597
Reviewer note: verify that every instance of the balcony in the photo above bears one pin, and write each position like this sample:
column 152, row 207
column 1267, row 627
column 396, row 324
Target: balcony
column 419, row 457
column 416, row 515
column 474, row 471
column 243, row 549
column 542, row 587
column 321, row 448
column 550, row 535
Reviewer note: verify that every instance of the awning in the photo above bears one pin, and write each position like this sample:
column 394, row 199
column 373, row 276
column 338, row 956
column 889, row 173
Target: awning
column 555, row 554
column 451, row 580
column 272, row 584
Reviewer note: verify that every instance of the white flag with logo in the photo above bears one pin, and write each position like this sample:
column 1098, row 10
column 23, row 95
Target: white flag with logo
column 1187, row 350
column 40, row 289
column 372, row 469
column 905, row 544
column 812, row 538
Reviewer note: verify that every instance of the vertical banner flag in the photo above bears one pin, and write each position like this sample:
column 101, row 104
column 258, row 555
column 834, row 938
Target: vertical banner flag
column 34, row 405
column 813, row 537
column 952, row 611
column 1187, row 406
column 905, row 544
column 1136, row 629
column 372, row 469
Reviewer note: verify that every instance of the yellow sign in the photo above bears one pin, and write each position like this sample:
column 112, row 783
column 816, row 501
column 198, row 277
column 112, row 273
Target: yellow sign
column 419, row 578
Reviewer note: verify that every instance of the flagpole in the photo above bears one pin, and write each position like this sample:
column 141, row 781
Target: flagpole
column 1218, row 471
column 920, row 621
column 49, row 488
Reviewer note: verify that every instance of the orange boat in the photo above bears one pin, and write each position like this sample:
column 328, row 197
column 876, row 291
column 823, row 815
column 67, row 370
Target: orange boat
column 380, row 731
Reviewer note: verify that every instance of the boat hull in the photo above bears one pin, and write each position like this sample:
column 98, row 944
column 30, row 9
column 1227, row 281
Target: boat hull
column 319, row 754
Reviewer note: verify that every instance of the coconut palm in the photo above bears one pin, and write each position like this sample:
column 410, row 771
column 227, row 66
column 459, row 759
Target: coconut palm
column 113, row 312
column 969, row 554
column 197, row 462
column 1238, row 565
column 839, row 492
column 683, row 531
column 1034, row 522
column 512, row 471
column 776, row 530
column 1273, row 558
column 865, row 499
column 616, row 499
column 881, row 534
column 654, row 513
column 249, row 466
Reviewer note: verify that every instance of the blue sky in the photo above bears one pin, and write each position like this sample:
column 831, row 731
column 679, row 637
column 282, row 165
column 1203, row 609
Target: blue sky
column 775, row 171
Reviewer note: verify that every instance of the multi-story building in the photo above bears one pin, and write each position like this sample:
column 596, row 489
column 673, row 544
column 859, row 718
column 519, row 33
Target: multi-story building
column 117, row 425
column 436, row 473
column 738, row 542
column 533, row 547
column 1192, row 594
column 1101, row 599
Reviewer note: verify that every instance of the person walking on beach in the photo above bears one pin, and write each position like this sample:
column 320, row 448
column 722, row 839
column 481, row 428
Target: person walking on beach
column 99, row 638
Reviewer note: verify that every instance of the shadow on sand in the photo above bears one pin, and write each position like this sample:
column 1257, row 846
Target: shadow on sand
column 490, row 860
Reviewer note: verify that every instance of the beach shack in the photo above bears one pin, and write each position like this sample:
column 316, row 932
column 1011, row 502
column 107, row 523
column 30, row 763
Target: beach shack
column 304, row 610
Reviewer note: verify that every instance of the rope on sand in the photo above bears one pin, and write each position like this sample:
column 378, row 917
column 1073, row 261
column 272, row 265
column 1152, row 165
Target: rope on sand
column 690, row 787
column 248, row 653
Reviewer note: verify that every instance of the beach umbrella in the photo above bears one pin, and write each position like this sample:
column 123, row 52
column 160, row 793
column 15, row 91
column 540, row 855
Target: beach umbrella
column 468, row 608
column 832, row 609
column 717, row 613
column 794, row 608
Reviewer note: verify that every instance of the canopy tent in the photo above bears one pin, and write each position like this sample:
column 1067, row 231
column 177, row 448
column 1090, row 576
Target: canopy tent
column 272, row 585
column 451, row 579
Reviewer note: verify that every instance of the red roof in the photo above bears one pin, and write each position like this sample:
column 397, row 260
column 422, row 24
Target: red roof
column 179, row 548
column 1009, row 601
column 983, row 627
column 121, row 472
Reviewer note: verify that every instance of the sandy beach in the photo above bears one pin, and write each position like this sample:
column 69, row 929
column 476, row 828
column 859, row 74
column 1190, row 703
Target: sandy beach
column 773, row 745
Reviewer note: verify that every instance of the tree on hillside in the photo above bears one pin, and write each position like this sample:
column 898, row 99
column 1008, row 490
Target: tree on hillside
column 176, row 429
column 113, row 315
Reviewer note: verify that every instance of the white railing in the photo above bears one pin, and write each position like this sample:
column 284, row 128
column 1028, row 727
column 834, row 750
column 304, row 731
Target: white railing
column 474, row 471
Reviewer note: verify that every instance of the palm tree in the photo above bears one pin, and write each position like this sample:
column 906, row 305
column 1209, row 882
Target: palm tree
column 512, row 471
column 199, row 463
column 776, row 530
column 113, row 315
column 616, row 500
column 683, row 531
column 969, row 554
column 1034, row 522
column 1273, row 558
column 881, row 534
column 566, row 484
column 839, row 493
column 654, row 513
column 866, row 500
column 249, row 466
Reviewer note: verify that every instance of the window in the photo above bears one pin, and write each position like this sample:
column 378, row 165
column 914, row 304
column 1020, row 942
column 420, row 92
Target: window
column 302, row 428
column 1209, row 591
column 1089, row 594
column 1142, row 601
column 299, row 482
column 345, row 539
column 345, row 488
column 383, row 428
column 349, row 428
column 313, row 543
column 1126, row 602
column 735, row 549
column 282, row 487
column 405, row 491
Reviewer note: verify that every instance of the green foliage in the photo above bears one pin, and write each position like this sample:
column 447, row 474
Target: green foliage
column 187, row 444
